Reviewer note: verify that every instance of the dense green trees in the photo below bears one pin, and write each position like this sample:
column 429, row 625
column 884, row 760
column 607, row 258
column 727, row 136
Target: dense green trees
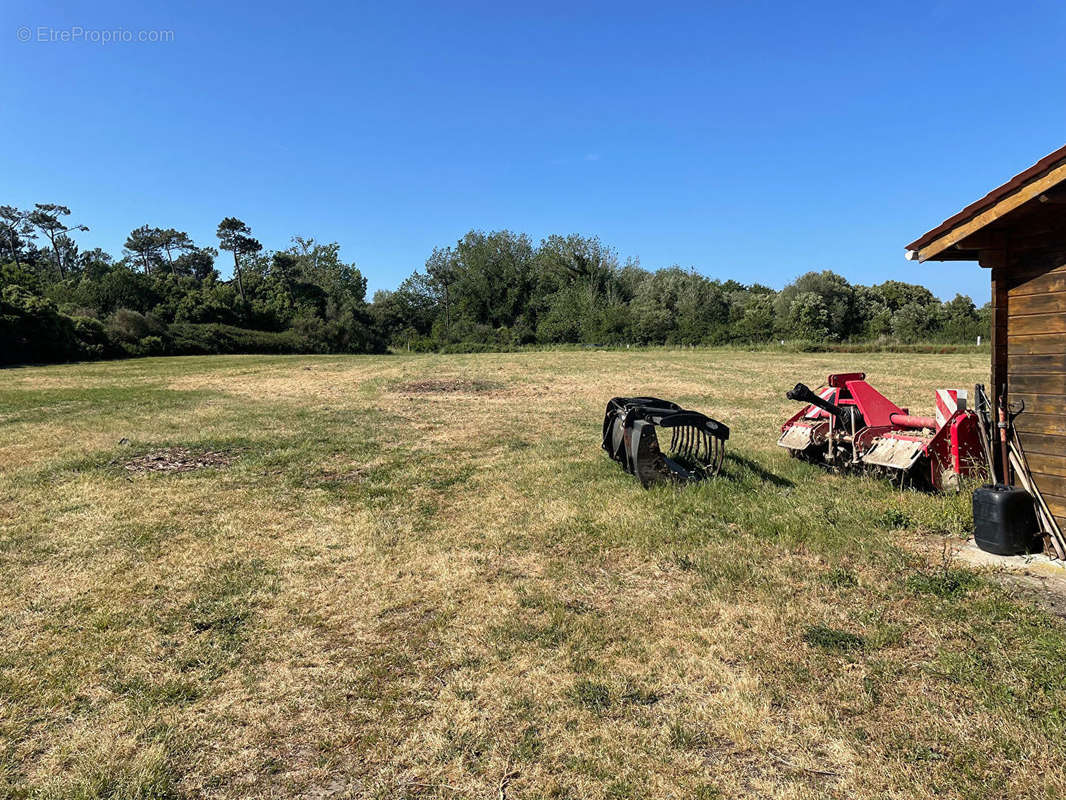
column 488, row 290
column 497, row 289
column 165, row 295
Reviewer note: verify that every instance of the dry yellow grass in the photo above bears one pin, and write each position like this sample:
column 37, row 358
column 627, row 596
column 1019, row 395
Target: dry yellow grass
column 421, row 577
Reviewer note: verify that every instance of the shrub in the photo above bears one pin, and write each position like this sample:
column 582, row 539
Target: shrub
column 33, row 330
column 128, row 327
column 151, row 346
column 186, row 338
column 93, row 341
column 313, row 335
column 473, row 347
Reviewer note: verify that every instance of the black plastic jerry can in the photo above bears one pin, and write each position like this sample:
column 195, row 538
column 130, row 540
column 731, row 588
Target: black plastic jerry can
column 1004, row 520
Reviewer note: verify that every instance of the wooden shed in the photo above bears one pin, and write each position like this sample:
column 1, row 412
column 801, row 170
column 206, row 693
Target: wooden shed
column 1018, row 232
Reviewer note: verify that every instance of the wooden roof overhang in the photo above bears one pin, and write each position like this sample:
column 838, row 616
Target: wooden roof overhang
column 1025, row 213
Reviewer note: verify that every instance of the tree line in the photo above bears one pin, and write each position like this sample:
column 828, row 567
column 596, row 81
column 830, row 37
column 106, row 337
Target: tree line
column 490, row 290
column 499, row 289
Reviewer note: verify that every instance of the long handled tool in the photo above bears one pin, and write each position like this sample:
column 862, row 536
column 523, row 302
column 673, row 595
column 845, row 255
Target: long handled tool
column 1004, row 425
column 1044, row 516
column 983, row 408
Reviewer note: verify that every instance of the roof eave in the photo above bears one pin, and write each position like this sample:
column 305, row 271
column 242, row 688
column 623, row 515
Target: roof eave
column 1045, row 174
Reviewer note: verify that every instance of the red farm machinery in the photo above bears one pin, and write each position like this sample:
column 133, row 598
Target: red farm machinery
column 849, row 424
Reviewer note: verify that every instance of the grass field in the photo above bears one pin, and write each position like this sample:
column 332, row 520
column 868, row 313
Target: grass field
column 421, row 577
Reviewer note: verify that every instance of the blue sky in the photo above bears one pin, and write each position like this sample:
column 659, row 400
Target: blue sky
column 750, row 140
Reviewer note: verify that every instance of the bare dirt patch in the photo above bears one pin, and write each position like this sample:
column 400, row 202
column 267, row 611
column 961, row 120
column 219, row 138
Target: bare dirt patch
column 178, row 459
column 449, row 385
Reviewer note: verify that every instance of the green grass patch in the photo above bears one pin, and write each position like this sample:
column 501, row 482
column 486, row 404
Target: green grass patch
column 833, row 640
column 419, row 594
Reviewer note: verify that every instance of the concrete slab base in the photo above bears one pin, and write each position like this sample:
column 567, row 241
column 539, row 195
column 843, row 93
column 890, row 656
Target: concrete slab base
column 1036, row 564
column 1039, row 578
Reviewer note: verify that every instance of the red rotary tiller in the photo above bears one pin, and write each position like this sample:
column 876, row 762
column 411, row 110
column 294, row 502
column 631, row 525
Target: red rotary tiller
column 848, row 424
column 697, row 442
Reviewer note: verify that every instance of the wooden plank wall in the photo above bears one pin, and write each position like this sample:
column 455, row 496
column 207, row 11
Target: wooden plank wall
column 1036, row 372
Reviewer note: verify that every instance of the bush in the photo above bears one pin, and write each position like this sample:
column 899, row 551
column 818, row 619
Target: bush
column 187, row 338
column 350, row 332
column 33, row 330
column 93, row 341
column 474, row 347
column 129, row 327
column 313, row 335
column 151, row 346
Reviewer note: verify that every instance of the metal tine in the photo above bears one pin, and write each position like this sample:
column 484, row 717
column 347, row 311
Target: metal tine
column 673, row 439
column 688, row 441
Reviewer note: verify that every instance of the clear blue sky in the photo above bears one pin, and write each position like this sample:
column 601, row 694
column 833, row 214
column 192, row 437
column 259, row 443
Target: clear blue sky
column 750, row 140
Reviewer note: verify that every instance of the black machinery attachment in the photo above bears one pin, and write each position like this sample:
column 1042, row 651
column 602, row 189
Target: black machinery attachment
column 697, row 442
column 847, row 415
